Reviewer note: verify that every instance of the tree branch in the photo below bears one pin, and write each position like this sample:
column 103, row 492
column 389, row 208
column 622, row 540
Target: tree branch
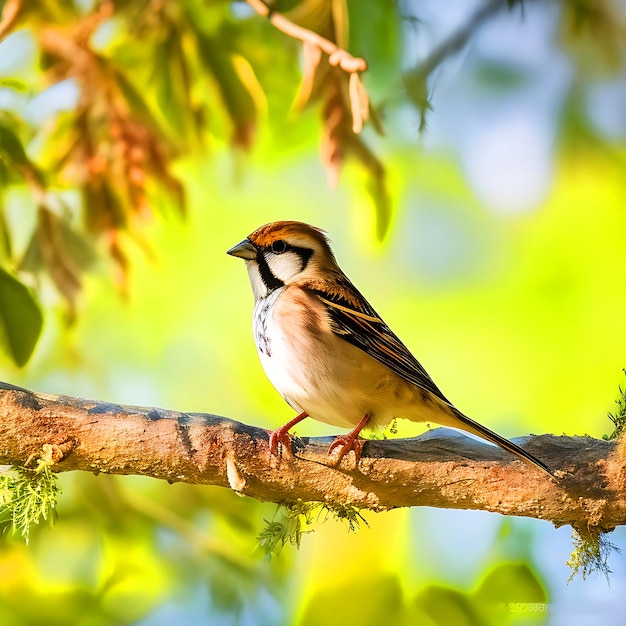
column 459, row 38
column 441, row 468
column 337, row 56
column 416, row 78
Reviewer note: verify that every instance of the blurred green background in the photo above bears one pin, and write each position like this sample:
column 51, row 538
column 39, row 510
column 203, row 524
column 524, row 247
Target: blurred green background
column 501, row 266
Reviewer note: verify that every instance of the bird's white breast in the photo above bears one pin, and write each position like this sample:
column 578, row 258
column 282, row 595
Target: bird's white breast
column 315, row 370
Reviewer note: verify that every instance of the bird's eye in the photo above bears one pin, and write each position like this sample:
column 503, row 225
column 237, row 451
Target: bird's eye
column 279, row 246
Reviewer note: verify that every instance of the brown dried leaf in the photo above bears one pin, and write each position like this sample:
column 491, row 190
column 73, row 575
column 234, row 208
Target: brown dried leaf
column 339, row 141
column 122, row 264
column 57, row 248
column 103, row 208
column 336, row 129
column 311, row 57
column 8, row 19
column 359, row 103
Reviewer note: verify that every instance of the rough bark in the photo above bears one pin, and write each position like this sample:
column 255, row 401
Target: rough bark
column 441, row 468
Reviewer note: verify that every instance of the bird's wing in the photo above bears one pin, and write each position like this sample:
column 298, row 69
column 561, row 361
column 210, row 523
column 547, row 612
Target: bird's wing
column 354, row 320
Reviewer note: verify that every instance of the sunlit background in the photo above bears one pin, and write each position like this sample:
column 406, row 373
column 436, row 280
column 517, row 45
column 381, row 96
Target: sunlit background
column 503, row 270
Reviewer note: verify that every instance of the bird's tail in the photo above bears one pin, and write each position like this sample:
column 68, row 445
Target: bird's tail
column 475, row 428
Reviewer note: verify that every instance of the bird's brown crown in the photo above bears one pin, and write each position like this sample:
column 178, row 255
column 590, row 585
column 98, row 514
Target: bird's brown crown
column 292, row 231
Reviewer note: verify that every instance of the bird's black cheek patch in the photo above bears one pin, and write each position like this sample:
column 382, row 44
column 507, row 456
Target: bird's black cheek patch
column 304, row 254
column 268, row 278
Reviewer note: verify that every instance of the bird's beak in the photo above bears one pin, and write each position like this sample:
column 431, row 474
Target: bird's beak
column 244, row 250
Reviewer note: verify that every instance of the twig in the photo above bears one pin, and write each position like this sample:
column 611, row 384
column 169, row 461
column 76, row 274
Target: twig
column 416, row 78
column 337, row 57
column 459, row 38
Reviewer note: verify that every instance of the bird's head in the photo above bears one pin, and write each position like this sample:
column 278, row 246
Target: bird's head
column 282, row 253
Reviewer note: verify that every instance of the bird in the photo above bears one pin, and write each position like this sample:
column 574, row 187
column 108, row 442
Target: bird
column 328, row 353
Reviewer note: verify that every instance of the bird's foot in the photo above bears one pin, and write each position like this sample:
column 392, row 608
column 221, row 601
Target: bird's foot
column 281, row 435
column 350, row 441
column 347, row 443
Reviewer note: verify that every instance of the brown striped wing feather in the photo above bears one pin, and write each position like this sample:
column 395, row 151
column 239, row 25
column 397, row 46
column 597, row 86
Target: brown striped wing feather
column 354, row 320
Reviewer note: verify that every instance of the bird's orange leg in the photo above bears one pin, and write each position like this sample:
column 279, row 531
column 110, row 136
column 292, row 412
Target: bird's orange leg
column 281, row 435
column 350, row 441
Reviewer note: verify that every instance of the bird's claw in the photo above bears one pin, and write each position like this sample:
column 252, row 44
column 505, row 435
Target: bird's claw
column 347, row 443
column 279, row 436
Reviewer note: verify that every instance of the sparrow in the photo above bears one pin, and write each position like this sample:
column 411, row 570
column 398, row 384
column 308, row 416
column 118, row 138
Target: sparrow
column 326, row 350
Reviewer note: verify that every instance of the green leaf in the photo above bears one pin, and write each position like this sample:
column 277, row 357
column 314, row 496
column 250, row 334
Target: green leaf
column 13, row 83
column 447, row 606
column 135, row 99
column 234, row 86
column 379, row 601
column 21, row 319
column 376, row 35
column 11, row 148
column 12, row 153
column 6, row 242
column 510, row 582
column 172, row 83
column 509, row 590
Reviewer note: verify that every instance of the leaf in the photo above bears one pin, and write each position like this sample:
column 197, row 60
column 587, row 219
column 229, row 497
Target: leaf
column 11, row 148
column 379, row 601
column 316, row 15
column 12, row 153
column 21, row 319
column 236, row 84
column 447, row 606
column 11, row 10
column 104, row 209
column 61, row 250
column 337, row 122
column 6, row 246
column 13, row 83
column 172, row 82
column 376, row 34
column 135, row 101
column 359, row 103
column 339, row 12
column 510, row 582
column 311, row 57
